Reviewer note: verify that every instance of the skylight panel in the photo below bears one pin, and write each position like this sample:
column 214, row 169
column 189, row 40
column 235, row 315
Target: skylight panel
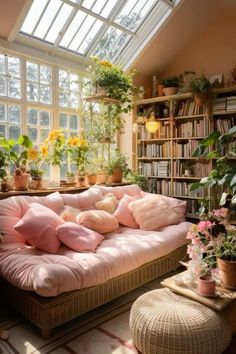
column 111, row 43
column 82, row 32
column 33, row 15
column 133, row 13
column 101, row 7
column 72, row 29
column 47, row 18
column 58, row 23
column 90, row 37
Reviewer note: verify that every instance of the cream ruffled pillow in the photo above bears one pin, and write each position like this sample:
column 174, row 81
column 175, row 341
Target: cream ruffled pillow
column 98, row 220
column 108, row 203
column 69, row 213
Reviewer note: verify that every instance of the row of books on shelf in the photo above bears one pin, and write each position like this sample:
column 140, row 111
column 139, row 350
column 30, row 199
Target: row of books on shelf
column 154, row 150
column 183, row 189
column 184, row 149
column 163, row 132
column 154, row 168
column 195, row 128
column 223, row 125
column 192, row 207
column 196, row 169
column 224, row 104
column 190, row 108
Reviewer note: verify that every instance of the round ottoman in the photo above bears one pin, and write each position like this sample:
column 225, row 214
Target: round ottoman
column 162, row 322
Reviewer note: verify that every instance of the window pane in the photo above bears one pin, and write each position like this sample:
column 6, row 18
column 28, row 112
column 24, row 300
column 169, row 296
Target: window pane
column 45, row 118
column 14, row 88
column 32, row 133
column 2, row 64
column 73, row 122
column 45, row 94
column 74, row 100
column 63, row 99
column 45, row 74
column 14, row 66
column 32, row 92
column 63, row 120
column 14, row 132
column 74, row 82
column 14, row 114
column 63, row 79
column 43, row 134
column 72, row 29
column 58, row 23
column 33, row 15
column 3, row 86
column 3, row 131
column 32, row 116
column 32, row 71
column 2, row 112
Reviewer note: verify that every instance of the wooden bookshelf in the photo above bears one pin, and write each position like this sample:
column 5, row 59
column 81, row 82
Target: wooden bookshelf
column 170, row 149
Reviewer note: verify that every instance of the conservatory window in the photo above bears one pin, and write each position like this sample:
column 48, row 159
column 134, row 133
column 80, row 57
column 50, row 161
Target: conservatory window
column 39, row 82
column 10, row 121
column 10, row 76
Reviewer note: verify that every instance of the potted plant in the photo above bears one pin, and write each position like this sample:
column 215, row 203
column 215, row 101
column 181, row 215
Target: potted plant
column 201, row 88
column 171, row 85
column 16, row 155
column 70, row 177
column 117, row 166
column 37, row 158
column 135, row 178
column 222, row 179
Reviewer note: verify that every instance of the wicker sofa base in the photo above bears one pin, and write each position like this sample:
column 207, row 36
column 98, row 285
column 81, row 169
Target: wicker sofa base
column 47, row 313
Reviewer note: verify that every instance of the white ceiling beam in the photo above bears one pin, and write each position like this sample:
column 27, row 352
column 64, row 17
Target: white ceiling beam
column 17, row 26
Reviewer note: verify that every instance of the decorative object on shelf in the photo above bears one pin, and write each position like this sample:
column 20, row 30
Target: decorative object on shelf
column 171, row 85
column 70, row 177
column 160, row 87
column 214, row 239
column 202, row 89
column 152, row 125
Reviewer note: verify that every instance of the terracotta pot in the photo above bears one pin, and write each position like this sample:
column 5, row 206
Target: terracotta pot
column 102, row 178
column 91, row 179
column 36, row 183
column 168, row 91
column 117, row 175
column 21, row 182
column 206, row 286
column 227, row 273
column 200, row 99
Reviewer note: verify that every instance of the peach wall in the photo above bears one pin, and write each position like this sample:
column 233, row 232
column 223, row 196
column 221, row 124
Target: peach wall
column 214, row 52
column 9, row 12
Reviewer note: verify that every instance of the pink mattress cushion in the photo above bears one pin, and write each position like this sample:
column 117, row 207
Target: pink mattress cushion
column 69, row 213
column 38, row 225
column 153, row 212
column 79, row 238
column 123, row 214
column 84, row 200
column 108, row 203
column 98, row 220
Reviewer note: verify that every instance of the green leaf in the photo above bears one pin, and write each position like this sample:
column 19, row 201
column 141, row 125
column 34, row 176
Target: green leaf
column 233, row 181
column 233, row 200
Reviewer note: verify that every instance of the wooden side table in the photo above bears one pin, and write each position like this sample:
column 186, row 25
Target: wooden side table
column 224, row 301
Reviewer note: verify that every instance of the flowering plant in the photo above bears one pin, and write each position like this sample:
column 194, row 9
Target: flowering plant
column 37, row 158
column 213, row 237
column 56, row 146
column 77, row 148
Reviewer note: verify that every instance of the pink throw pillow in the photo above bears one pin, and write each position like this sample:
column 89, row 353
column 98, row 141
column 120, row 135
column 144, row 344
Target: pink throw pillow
column 78, row 237
column 98, row 220
column 38, row 225
column 152, row 212
column 123, row 214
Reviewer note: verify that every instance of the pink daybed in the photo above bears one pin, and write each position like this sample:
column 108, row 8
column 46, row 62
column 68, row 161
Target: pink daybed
column 50, row 289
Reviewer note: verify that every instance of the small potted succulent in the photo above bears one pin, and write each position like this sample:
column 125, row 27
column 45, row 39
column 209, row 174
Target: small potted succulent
column 117, row 167
column 171, row 85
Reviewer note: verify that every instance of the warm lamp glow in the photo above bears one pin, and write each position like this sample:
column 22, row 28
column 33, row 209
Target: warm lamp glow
column 152, row 125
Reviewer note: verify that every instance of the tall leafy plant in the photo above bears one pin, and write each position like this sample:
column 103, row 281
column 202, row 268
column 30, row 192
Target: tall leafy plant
column 223, row 176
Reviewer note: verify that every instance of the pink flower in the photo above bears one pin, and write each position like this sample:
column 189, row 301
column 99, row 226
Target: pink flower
column 204, row 225
column 221, row 212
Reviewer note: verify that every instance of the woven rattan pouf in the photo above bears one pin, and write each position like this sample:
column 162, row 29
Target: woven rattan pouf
column 162, row 322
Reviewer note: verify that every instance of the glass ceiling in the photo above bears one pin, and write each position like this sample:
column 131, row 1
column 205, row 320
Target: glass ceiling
column 94, row 27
